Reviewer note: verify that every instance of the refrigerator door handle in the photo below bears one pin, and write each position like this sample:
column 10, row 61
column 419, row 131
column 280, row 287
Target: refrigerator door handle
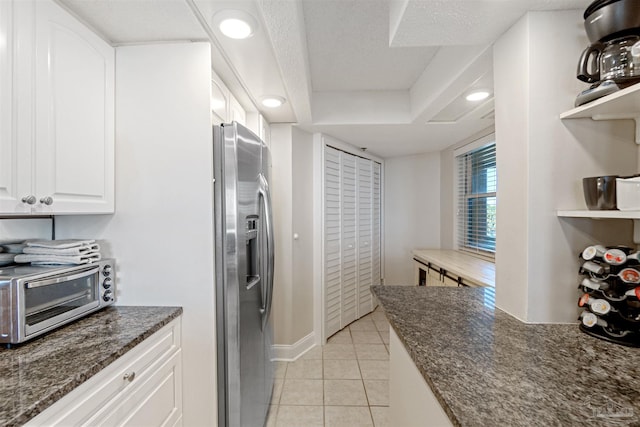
column 267, row 290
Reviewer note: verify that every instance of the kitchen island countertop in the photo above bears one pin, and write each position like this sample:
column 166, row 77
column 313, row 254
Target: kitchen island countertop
column 38, row 373
column 486, row 367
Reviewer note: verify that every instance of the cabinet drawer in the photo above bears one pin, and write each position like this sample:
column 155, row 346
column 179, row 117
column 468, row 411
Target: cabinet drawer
column 133, row 368
column 154, row 402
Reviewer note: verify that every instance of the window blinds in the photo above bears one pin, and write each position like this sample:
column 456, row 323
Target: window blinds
column 477, row 184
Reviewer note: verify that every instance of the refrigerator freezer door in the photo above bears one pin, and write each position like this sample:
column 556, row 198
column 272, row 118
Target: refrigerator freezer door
column 268, row 250
column 244, row 387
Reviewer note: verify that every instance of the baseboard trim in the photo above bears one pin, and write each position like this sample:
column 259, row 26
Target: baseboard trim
column 289, row 353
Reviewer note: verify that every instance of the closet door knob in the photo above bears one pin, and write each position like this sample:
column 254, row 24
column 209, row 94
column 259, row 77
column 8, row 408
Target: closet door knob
column 47, row 200
column 30, row 199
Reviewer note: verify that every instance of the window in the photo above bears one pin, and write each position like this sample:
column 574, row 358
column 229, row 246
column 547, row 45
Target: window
column 477, row 186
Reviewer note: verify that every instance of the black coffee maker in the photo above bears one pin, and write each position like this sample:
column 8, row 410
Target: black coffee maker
column 612, row 61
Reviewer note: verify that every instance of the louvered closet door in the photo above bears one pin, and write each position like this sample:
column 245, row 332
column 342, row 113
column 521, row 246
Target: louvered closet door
column 376, row 255
column 365, row 233
column 332, row 237
column 349, row 238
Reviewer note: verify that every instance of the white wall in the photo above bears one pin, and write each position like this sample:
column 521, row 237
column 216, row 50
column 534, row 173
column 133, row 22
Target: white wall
column 302, row 193
column 541, row 162
column 22, row 229
column 281, row 190
column 292, row 193
column 162, row 232
column 412, row 212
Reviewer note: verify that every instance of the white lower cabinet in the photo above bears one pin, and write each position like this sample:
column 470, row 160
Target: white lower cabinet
column 411, row 401
column 141, row 388
column 433, row 275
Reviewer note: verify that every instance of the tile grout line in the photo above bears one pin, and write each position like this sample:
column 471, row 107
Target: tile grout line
column 357, row 359
column 365, row 393
column 322, row 361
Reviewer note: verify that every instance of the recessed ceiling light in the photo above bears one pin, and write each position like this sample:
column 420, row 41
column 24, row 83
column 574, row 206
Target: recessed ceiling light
column 272, row 101
column 235, row 24
column 478, row 95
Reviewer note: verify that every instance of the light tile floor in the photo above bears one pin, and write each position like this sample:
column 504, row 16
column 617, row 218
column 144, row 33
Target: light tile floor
column 342, row 384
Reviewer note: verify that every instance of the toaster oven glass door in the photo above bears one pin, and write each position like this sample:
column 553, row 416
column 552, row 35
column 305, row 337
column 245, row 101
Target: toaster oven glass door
column 54, row 300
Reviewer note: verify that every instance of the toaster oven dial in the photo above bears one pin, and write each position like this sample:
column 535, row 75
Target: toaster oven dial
column 106, row 270
column 107, row 296
column 106, row 283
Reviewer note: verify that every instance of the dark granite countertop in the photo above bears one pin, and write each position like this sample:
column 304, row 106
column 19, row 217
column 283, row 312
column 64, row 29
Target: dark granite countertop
column 487, row 368
column 38, row 373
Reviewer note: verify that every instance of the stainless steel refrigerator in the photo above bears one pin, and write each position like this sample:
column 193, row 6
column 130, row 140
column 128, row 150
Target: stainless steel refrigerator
column 244, row 275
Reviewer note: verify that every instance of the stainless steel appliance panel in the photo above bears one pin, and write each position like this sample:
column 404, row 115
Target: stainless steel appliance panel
column 37, row 299
column 242, row 277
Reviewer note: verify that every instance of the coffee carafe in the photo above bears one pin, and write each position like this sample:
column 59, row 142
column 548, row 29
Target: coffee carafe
column 612, row 61
column 617, row 60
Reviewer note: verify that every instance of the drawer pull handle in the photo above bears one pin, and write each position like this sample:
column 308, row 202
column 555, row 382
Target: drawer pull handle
column 129, row 376
column 30, row 199
column 47, row 200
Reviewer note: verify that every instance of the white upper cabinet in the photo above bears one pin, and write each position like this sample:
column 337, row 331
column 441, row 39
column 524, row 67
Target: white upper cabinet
column 236, row 112
column 219, row 101
column 14, row 157
column 225, row 108
column 265, row 130
column 74, row 163
column 63, row 144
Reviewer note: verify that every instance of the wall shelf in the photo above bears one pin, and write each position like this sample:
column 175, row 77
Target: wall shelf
column 599, row 214
column 621, row 105
column 634, row 215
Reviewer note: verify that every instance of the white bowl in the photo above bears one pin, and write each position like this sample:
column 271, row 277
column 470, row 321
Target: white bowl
column 628, row 194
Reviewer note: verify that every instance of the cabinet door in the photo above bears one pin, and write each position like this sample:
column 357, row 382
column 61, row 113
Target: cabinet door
column 219, row 102
column 15, row 96
column 265, row 130
column 376, row 244
column 434, row 278
column 365, row 299
column 236, row 111
column 420, row 274
column 156, row 402
column 332, row 241
column 74, row 153
column 447, row 281
column 349, row 238
column 153, row 370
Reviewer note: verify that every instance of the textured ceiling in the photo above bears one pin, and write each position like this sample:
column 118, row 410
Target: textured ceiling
column 462, row 22
column 348, row 45
column 136, row 21
column 389, row 140
column 374, row 73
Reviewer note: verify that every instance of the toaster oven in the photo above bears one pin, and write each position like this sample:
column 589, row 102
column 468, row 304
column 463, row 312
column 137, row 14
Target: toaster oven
column 37, row 299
